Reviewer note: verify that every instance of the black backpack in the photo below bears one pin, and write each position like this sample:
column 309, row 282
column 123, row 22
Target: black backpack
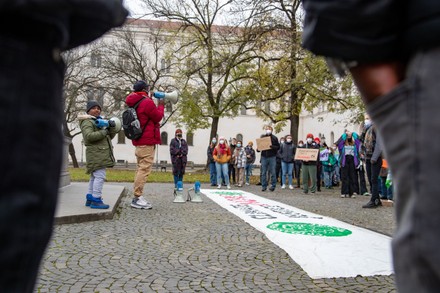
column 130, row 122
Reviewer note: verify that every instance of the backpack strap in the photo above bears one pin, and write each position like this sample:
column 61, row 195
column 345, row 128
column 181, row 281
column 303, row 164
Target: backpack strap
column 135, row 110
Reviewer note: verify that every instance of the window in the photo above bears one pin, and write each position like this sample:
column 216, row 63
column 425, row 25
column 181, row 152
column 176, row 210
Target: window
column 164, row 138
column 163, row 65
column 190, row 139
column 121, row 137
column 95, row 60
column 267, row 107
column 239, row 137
column 168, row 106
column 243, row 110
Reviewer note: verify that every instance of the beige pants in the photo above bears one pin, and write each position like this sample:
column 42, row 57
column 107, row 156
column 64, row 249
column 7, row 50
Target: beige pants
column 239, row 174
column 145, row 158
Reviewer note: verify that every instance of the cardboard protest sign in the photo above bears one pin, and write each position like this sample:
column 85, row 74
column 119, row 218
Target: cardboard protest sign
column 306, row 154
column 264, row 143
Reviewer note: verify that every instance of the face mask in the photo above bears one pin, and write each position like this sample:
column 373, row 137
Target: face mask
column 289, row 140
column 238, row 145
column 301, row 145
column 367, row 123
column 309, row 140
column 179, row 135
column 281, row 141
column 214, row 141
column 268, row 132
column 221, row 141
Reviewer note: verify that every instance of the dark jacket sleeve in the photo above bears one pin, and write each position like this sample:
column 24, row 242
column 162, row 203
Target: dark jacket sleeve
column 77, row 21
column 354, row 30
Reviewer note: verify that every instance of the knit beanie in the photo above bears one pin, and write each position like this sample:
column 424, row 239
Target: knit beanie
column 91, row 104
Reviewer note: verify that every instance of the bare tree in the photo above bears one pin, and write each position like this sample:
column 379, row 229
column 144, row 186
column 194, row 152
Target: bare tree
column 289, row 79
column 213, row 59
column 81, row 81
column 139, row 50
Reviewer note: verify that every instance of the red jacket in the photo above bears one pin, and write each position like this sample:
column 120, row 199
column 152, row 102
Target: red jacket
column 147, row 113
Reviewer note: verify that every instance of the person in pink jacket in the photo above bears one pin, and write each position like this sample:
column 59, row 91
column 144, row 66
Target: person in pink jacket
column 149, row 116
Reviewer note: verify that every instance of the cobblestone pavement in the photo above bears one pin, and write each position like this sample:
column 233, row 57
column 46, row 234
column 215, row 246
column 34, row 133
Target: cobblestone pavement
column 197, row 247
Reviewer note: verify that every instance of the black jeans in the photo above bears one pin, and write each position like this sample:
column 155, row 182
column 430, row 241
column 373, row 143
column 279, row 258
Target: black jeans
column 361, row 184
column 373, row 171
column 348, row 176
column 31, row 79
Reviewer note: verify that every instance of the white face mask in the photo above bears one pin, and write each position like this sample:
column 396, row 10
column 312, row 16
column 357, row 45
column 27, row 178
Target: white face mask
column 221, row 141
column 301, row 145
column 214, row 141
column 288, row 140
column 309, row 140
column 367, row 123
column 268, row 131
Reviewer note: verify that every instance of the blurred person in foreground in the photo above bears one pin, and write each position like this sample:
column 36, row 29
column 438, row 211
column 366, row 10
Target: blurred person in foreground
column 31, row 100
column 392, row 50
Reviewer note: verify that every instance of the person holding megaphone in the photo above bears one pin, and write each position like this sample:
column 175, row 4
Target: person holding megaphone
column 97, row 134
column 149, row 116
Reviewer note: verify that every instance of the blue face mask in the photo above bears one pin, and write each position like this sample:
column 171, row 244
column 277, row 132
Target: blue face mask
column 238, row 145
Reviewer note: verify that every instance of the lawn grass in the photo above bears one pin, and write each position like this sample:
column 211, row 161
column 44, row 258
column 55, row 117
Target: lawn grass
column 124, row 175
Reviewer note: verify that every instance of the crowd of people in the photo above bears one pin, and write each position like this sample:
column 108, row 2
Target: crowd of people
column 346, row 163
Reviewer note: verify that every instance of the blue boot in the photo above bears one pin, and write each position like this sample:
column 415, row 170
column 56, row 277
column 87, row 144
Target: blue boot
column 97, row 203
column 89, row 199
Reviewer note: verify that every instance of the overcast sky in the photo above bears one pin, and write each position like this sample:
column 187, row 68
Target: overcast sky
column 135, row 7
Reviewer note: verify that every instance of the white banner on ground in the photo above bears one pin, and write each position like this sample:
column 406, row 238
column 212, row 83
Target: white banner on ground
column 322, row 246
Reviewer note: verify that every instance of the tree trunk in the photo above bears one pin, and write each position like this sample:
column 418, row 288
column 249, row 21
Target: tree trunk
column 294, row 125
column 214, row 129
column 73, row 156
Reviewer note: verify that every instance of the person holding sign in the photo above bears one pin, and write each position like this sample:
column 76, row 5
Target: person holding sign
column 309, row 158
column 268, row 145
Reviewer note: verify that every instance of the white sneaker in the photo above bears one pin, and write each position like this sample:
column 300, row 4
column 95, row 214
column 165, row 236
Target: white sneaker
column 141, row 203
column 290, row 186
column 353, row 195
column 283, row 186
column 247, row 183
column 228, row 187
column 219, row 186
column 343, row 195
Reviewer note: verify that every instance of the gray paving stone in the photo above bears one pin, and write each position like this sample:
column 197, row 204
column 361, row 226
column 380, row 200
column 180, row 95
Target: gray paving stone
column 194, row 247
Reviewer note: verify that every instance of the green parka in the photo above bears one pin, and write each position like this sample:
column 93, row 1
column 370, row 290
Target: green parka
column 99, row 148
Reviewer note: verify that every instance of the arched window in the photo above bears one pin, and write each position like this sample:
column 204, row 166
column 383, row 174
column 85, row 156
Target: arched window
column 239, row 137
column 332, row 137
column 164, row 138
column 190, row 139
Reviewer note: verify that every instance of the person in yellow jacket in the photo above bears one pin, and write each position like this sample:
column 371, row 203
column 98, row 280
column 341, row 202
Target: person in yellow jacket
column 222, row 155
